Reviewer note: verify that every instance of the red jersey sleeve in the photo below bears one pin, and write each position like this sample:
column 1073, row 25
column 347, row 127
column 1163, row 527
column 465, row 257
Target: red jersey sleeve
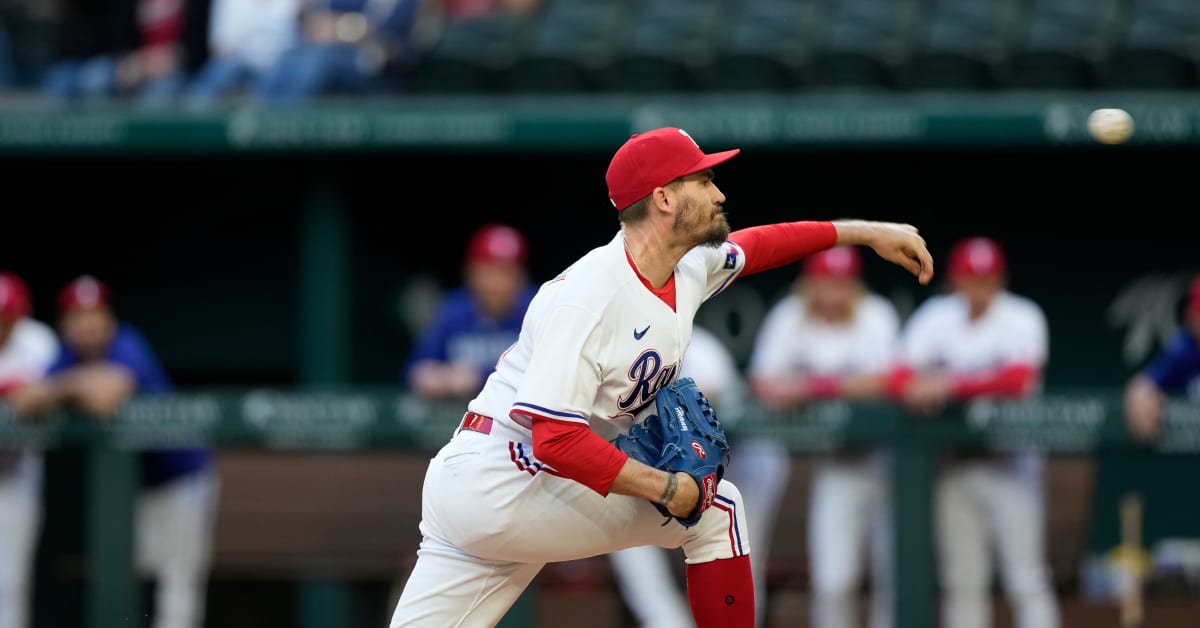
column 772, row 246
column 577, row 453
column 1010, row 381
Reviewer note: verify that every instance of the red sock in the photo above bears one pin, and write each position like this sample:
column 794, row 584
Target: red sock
column 721, row 593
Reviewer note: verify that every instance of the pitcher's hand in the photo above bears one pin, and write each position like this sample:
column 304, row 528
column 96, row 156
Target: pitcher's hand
column 895, row 242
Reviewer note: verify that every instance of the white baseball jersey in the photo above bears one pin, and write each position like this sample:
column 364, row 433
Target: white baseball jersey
column 940, row 335
column 625, row 340
column 29, row 352
column 790, row 341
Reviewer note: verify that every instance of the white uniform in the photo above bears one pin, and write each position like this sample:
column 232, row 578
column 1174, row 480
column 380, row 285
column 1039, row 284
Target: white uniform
column 643, row 573
column 25, row 357
column 595, row 347
column 986, row 500
column 848, row 504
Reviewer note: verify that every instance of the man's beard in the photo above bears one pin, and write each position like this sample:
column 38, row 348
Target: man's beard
column 714, row 236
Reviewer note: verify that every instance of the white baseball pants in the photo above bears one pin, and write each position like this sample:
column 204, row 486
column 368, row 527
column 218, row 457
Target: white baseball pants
column 849, row 512
column 175, row 524
column 986, row 504
column 492, row 515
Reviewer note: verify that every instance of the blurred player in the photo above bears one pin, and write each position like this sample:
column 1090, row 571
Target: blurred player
column 1175, row 371
column 27, row 349
column 531, row 475
column 102, row 362
column 474, row 323
column 644, row 574
column 981, row 340
column 831, row 339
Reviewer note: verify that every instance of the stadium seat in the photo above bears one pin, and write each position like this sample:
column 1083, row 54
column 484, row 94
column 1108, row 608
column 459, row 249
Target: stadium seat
column 866, row 43
column 666, row 45
column 570, row 46
column 766, row 44
column 471, row 55
column 1064, row 44
column 1161, row 48
column 963, row 44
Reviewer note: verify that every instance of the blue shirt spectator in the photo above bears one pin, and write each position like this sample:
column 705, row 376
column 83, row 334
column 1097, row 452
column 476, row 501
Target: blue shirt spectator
column 105, row 361
column 461, row 332
column 1175, row 371
column 475, row 323
column 122, row 345
column 1177, row 365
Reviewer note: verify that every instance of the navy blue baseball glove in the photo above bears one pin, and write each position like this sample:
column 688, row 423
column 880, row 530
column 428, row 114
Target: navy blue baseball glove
column 685, row 435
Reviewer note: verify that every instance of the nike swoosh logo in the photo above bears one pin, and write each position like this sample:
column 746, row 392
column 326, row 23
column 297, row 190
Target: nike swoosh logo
column 637, row 335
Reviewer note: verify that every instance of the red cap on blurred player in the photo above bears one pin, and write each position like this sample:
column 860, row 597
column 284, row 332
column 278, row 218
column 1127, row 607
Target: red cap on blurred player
column 977, row 257
column 1194, row 298
column 83, row 292
column 497, row 243
column 839, row 261
column 653, row 159
column 14, row 296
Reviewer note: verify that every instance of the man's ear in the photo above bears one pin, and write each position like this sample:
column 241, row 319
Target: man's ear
column 661, row 201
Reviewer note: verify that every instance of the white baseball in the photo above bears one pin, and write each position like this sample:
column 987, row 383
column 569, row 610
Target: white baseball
column 1110, row 126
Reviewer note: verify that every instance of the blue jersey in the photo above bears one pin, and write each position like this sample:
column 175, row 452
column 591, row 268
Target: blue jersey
column 461, row 333
column 1176, row 369
column 130, row 349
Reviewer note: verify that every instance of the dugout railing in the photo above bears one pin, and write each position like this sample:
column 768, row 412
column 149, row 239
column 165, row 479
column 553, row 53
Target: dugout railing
column 1067, row 422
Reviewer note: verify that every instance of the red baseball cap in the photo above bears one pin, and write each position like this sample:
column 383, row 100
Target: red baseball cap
column 977, row 257
column 1193, row 307
column 497, row 243
column 840, row 262
column 84, row 291
column 653, row 159
column 14, row 296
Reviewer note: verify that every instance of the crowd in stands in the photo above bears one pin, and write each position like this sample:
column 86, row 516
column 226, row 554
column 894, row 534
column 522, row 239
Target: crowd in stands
column 200, row 52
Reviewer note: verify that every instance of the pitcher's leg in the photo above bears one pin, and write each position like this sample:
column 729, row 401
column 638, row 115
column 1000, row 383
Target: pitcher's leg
column 719, row 578
column 765, row 466
column 449, row 589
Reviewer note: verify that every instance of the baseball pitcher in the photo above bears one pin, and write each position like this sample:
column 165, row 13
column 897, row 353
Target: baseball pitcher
column 582, row 441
